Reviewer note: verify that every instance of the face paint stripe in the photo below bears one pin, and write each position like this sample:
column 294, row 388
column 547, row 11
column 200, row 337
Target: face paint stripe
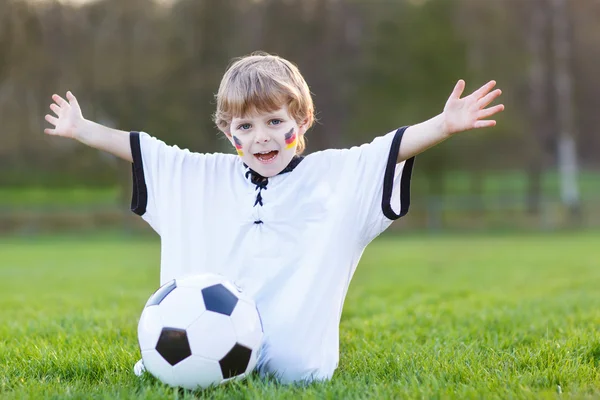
column 290, row 139
column 291, row 145
column 289, row 135
column 238, row 146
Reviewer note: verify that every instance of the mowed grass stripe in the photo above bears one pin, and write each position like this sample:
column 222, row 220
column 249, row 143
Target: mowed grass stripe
column 425, row 317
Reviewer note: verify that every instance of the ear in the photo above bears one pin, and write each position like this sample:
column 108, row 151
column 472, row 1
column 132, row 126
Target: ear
column 227, row 133
column 302, row 127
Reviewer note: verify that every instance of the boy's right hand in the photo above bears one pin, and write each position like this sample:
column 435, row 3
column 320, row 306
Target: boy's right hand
column 68, row 117
column 70, row 123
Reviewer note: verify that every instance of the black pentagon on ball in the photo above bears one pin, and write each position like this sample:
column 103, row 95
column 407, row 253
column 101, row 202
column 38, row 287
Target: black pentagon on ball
column 173, row 345
column 219, row 299
column 161, row 293
column 236, row 361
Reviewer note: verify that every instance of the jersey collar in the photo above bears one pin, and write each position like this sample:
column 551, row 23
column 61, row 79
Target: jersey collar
column 256, row 177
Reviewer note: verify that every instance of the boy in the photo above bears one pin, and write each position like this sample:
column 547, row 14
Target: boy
column 289, row 230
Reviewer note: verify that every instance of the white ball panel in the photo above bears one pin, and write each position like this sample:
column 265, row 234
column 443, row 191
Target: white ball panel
column 235, row 378
column 246, row 323
column 197, row 372
column 201, row 281
column 149, row 328
column 181, row 307
column 253, row 361
column 156, row 365
column 211, row 336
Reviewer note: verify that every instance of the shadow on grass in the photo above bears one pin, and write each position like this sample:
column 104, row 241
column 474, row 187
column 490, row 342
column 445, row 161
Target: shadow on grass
column 253, row 385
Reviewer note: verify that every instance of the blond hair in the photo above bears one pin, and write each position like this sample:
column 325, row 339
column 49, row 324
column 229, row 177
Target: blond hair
column 259, row 83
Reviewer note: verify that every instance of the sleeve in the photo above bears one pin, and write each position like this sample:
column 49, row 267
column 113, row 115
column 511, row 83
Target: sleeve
column 377, row 186
column 159, row 175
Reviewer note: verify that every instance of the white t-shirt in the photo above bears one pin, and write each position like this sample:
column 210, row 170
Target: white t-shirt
column 292, row 245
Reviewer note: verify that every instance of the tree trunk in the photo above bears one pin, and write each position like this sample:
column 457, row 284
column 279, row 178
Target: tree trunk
column 538, row 105
column 567, row 151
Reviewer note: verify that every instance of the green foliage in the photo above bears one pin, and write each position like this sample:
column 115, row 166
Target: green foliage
column 371, row 65
column 414, row 59
column 425, row 317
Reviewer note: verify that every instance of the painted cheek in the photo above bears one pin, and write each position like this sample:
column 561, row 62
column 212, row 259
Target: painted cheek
column 238, row 146
column 290, row 139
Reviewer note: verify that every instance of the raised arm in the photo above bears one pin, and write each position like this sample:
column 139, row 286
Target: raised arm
column 459, row 115
column 69, row 122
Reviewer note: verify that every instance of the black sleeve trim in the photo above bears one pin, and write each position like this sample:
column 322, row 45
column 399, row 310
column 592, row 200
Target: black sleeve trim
column 388, row 180
column 139, row 196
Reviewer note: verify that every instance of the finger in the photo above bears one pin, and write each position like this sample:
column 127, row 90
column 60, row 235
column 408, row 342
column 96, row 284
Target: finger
column 488, row 98
column 484, row 124
column 50, row 131
column 482, row 91
column 72, row 99
column 51, row 119
column 458, row 89
column 55, row 108
column 488, row 112
column 59, row 100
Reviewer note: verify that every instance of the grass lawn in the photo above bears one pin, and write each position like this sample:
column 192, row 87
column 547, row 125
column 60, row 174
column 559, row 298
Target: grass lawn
column 469, row 316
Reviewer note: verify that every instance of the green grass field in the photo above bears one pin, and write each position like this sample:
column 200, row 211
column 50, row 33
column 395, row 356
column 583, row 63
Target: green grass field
column 426, row 317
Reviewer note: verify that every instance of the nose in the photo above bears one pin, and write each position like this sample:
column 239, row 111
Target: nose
column 262, row 137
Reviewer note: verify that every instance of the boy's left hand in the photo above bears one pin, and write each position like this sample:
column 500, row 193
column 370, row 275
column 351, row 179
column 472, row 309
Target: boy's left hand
column 470, row 112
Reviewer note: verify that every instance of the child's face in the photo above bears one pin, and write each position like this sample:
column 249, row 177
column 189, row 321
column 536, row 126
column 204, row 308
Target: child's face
column 266, row 142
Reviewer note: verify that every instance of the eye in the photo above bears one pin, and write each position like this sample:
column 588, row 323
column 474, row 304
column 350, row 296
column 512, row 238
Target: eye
column 244, row 127
column 275, row 121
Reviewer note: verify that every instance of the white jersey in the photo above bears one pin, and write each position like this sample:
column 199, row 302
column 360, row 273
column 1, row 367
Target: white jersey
column 292, row 242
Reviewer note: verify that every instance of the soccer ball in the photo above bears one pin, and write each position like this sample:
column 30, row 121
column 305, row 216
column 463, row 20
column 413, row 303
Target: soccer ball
column 199, row 331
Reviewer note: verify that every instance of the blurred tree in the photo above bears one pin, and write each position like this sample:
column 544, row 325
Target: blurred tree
column 201, row 44
column 413, row 59
column 567, row 150
column 21, row 46
column 541, row 124
column 148, row 65
column 493, row 32
column 7, row 38
column 585, row 45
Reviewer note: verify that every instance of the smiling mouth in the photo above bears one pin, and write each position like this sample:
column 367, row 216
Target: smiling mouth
column 267, row 157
